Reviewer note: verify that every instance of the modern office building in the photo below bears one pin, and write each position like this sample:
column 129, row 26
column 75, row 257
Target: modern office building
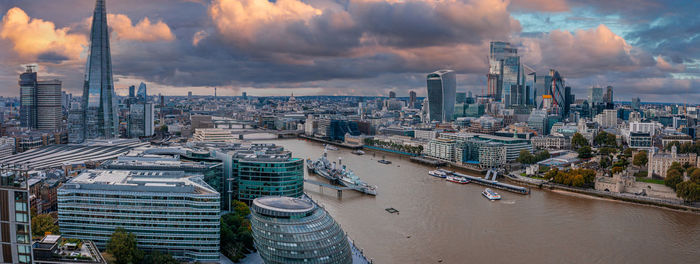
column 99, row 102
column 640, row 140
column 509, row 81
column 48, row 99
column 27, row 96
column 442, row 87
column 608, row 97
column 538, row 121
column 636, row 103
column 15, row 222
column 142, row 94
column 392, row 94
column 412, row 99
column 512, row 145
column 213, row 135
column 291, row 230
column 261, row 174
column 141, row 117
column 440, row 148
column 595, row 95
column 40, row 102
column 166, row 210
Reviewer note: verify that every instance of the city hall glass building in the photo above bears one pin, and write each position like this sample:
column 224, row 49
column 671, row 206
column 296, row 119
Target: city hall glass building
column 166, row 210
column 292, row 230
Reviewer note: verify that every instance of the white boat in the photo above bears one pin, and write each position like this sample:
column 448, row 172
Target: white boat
column 491, row 195
column 437, row 173
column 331, row 147
column 457, row 179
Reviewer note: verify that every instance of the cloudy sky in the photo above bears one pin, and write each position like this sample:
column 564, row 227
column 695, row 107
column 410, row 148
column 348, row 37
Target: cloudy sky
column 646, row 48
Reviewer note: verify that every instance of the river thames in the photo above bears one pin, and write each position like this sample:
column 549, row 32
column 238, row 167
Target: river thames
column 439, row 220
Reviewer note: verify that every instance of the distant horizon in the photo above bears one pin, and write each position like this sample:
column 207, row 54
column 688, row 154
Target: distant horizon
column 358, row 48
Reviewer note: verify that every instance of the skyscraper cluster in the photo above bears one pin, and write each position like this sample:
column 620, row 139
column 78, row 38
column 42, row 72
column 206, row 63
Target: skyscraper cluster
column 509, row 81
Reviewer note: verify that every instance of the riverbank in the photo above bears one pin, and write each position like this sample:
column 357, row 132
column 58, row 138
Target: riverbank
column 541, row 184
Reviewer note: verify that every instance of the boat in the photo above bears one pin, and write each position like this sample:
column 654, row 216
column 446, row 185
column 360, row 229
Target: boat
column 330, row 147
column 437, row 173
column 384, row 161
column 491, row 195
column 457, row 179
column 358, row 152
column 337, row 173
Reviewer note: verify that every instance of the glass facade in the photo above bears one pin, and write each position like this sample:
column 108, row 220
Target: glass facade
column 290, row 230
column 99, row 101
column 259, row 177
column 442, row 89
column 167, row 211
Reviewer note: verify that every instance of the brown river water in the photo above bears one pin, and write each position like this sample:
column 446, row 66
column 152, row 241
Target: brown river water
column 439, row 220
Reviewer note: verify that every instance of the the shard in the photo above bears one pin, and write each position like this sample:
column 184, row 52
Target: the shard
column 100, row 119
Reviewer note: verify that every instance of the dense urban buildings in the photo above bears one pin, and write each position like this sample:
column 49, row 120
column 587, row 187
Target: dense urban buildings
column 15, row 222
column 99, row 102
column 166, row 210
column 292, row 230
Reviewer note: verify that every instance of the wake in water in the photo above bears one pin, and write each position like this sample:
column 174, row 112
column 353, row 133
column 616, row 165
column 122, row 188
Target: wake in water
column 507, row 202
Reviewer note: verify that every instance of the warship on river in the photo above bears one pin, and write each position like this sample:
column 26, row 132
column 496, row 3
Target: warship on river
column 339, row 174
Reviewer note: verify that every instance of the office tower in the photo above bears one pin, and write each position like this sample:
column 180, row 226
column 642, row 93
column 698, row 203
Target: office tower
column 509, row 81
column 48, row 99
column 608, row 98
column 260, row 174
column 40, row 102
column 636, row 103
column 162, row 102
column 132, row 91
column 75, row 124
column 15, row 222
column 442, row 87
column 411, row 99
column 245, row 95
column 552, row 86
column 392, row 94
column 460, row 97
column 538, row 121
column 27, row 94
column 99, row 100
column 141, row 117
column 66, row 99
column 142, row 95
column 290, row 230
column 167, row 211
column 595, row 95
column 568, row 100
column 189, row 95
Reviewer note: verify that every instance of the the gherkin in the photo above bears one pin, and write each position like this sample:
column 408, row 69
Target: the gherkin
column 100, row 119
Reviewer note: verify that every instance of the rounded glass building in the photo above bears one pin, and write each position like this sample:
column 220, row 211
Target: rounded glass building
column 292, row 230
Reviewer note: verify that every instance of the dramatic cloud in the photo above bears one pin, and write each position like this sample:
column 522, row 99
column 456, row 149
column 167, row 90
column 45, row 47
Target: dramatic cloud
column 35, row 38
column 540, row 5
column 144, row 30
column 198, row 37
column 586, row 52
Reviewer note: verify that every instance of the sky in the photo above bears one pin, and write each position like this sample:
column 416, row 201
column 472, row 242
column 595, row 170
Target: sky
column 644, row 48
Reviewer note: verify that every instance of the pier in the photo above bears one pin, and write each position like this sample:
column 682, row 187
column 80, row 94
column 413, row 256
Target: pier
column 432, row 162
column 490, row 181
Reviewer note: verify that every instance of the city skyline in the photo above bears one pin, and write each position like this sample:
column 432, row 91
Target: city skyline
column 326, row 48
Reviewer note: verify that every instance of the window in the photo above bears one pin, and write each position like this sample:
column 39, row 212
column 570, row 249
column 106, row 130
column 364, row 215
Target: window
column 24, row 259
column 21, row 206
column 22, row 249
column 21, row 217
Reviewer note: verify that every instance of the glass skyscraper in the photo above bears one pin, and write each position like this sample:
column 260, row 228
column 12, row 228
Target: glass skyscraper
column 442, row 89
column 509, row 81
column 291, row 230
column 100, row 119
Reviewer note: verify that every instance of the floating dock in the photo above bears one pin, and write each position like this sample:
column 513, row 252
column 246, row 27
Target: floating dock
column 428, row 161
column 491, row 183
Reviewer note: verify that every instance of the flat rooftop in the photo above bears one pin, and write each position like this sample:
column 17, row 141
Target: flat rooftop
column 139, row 181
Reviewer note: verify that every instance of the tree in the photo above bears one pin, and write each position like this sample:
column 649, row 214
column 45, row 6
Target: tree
column 578, row 141
column 628, row 152
column 542, row 155
column 236, row 232
column 673, row 178
column 599, row 139
column 640, row 159
column 585, row 152
column 689, row 191
column 525, row 157
column 122, row 245
column 44, row 224
column 605, row 162
column 241, row 208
